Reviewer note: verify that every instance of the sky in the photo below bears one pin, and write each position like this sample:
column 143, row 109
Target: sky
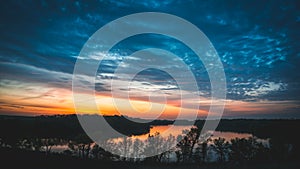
column 257, row 42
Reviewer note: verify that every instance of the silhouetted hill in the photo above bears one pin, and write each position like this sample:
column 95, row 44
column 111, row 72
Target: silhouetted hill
column 64, row 126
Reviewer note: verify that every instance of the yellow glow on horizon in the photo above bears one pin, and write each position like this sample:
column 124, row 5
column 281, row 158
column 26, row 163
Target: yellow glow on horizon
column 30, row 99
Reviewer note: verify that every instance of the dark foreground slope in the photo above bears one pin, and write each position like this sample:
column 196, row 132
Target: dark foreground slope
column 24, row 142
column 36, row 160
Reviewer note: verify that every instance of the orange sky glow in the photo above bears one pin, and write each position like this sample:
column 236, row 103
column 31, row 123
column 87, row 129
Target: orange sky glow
column 38, row 100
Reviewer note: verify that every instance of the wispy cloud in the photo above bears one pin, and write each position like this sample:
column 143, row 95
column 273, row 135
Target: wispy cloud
column 258, row 46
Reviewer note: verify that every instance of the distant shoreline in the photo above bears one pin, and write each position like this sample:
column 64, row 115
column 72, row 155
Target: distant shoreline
column 68, row 126
column 225, row 118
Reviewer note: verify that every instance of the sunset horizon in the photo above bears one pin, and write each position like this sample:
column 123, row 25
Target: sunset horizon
column 150, row 84
column 259, row 56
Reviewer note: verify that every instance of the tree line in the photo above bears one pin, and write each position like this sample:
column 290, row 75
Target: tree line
column 189, row 148
column 42, row 133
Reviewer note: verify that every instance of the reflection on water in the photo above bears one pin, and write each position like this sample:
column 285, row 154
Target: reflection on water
column 164, row 131
column 229, row 135
column 59, row 148
column 167, row 130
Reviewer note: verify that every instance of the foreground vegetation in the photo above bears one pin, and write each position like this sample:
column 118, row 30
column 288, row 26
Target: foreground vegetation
column 34, row 147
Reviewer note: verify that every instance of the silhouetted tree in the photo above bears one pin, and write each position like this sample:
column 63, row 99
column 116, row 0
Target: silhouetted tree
column 48, row 143
column 98, row 152
column 137, row 149
column 153, row 146
column 125, row 148
column 183, row 149
column 201, row 151
column 2, row 143
column 220, row 146
column 193, row 137
column 168, row 145
column 82, row 145
column 25, row 144
column 280, row 149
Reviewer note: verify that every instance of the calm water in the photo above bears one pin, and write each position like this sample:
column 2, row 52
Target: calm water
column 178, row 130
column 166, row 130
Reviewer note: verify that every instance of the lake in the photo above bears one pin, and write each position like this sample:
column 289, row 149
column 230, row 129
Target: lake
column 167, row 130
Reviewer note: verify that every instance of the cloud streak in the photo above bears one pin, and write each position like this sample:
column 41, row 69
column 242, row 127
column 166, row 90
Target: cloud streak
column 258, row 43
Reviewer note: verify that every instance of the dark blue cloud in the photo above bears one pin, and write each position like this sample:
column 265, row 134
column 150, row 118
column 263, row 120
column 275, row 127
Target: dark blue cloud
column 258, row 41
